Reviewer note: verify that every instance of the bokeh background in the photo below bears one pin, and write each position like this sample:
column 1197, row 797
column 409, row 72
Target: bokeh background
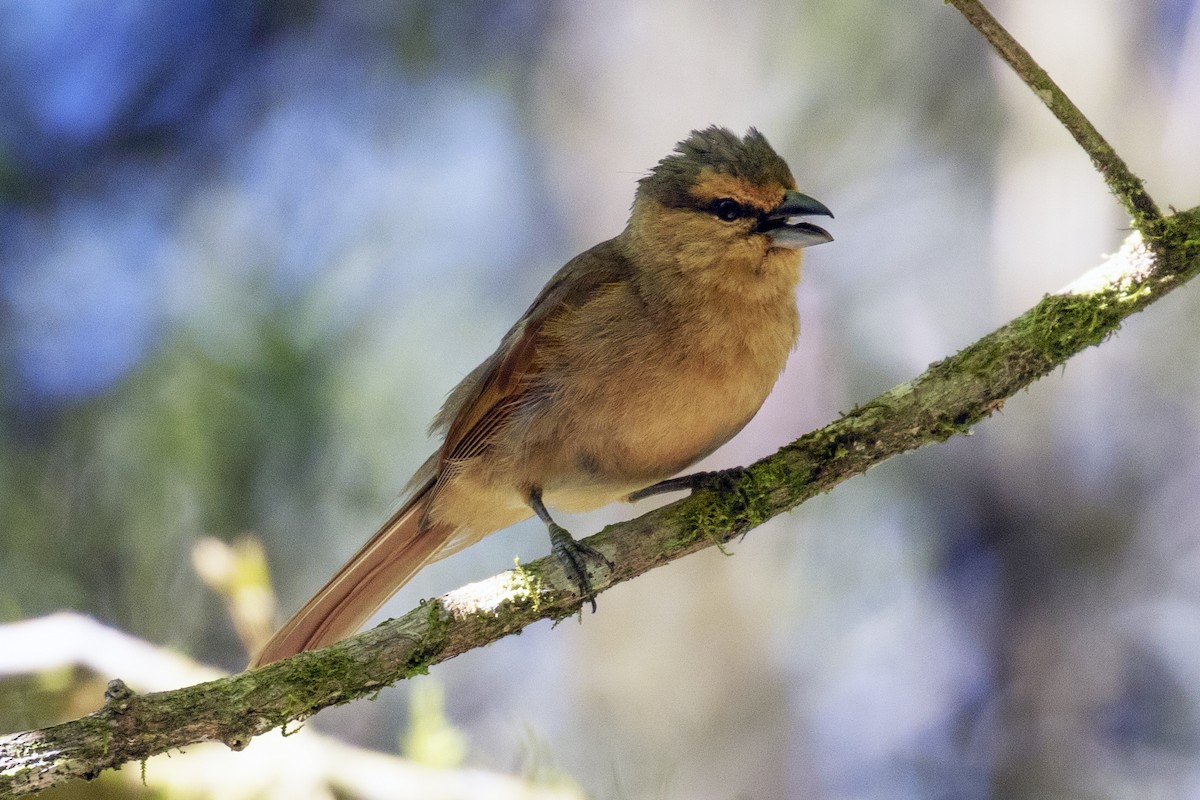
column 246, row 247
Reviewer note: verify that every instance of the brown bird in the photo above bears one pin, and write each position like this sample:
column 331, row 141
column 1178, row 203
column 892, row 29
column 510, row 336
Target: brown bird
column 641, row 356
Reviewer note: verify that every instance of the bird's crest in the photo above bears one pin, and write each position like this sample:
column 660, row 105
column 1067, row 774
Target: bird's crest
column 715, row 150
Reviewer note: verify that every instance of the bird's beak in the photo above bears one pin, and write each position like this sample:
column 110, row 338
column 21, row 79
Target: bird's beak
column 795, row 235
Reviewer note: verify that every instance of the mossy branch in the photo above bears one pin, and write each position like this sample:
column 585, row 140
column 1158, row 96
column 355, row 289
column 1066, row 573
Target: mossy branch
column 948, row 398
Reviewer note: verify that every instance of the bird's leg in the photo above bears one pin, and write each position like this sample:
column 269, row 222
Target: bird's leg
column 571, row 554
column 718, row 481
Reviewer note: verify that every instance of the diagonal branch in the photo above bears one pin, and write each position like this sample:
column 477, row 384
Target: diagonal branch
column 1124, row 184
column 947, row 399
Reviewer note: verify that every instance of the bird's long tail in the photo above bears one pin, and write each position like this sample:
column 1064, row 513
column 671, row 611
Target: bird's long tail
column 396, row 552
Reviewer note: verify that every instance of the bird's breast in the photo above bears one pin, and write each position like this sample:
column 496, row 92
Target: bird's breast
column 642, row 400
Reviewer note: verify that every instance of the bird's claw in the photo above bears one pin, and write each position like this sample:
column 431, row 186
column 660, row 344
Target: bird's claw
column 721, row 481
column 573, row 556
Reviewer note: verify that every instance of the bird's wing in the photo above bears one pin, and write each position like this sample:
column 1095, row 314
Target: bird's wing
column 485, row 400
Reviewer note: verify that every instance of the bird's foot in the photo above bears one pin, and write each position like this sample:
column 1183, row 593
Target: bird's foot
column 717, row 481
column 573, row 556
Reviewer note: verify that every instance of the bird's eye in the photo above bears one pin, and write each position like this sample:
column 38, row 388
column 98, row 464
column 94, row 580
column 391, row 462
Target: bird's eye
column 728, row 210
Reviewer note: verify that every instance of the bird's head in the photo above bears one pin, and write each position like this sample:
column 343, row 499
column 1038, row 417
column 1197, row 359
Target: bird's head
column 724, row 209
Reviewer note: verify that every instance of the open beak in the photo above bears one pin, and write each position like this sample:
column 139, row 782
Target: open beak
column 795, row 235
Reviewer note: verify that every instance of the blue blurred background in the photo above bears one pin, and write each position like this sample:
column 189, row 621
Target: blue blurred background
column 246, row 247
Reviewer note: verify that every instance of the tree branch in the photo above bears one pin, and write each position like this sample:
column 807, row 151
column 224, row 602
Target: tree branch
column 947, row 399
column 1124, row 184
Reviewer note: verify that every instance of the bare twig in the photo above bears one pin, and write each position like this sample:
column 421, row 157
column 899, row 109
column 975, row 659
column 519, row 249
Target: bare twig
column 1124, row 184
